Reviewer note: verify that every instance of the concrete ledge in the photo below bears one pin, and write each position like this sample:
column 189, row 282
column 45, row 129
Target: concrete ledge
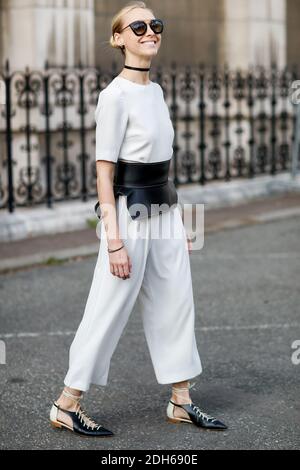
column 31, row 222
column 74, row 215
column 222, row 194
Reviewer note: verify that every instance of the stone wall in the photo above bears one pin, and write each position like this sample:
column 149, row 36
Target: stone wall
column 66, row 31
column 255, row 32
column 61, row 31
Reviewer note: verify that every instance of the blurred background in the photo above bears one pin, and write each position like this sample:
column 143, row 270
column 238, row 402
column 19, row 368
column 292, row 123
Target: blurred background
column 65, row 32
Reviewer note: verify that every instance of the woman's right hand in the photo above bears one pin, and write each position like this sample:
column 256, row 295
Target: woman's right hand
column 120, row 264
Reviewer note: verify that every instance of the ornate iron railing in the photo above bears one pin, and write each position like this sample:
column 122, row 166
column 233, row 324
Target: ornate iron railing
column 228, row 124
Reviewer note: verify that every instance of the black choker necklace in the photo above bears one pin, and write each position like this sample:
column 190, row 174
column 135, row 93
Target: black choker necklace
column 137, row 68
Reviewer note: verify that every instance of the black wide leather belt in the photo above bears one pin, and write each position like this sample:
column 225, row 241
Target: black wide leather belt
column 144, row 183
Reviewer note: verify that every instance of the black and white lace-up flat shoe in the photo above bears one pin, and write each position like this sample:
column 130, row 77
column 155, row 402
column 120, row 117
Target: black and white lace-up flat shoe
column 195, row 414
column 81, row 423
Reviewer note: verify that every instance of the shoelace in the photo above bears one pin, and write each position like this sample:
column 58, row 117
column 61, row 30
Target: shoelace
column 196, row 408
column 86, row 420
column 201, row 413
column 180, row 389
column 83, row 417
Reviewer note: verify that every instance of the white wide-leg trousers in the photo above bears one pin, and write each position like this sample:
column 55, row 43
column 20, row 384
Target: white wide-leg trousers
column 161, row 284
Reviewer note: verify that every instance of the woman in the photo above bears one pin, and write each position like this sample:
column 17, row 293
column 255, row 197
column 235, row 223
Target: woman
column 134, row 136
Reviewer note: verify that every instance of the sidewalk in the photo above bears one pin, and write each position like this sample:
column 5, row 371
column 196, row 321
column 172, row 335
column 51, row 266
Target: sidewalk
column 68, row 216
column 55, row 248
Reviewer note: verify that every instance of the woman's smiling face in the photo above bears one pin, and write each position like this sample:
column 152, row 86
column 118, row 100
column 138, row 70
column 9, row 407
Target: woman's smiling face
column 145, row 46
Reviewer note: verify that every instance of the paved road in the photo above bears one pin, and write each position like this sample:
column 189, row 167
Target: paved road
column 246, row 288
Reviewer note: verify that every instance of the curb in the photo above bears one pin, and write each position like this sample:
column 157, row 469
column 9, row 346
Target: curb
column 56, row 256
column 75, row 215
column 47, row 258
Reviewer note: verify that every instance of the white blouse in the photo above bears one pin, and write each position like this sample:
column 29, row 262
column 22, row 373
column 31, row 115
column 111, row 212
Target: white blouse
column 133, row 123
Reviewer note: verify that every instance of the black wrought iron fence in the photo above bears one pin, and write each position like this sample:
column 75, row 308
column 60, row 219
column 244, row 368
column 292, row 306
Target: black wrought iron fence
column 228, row 124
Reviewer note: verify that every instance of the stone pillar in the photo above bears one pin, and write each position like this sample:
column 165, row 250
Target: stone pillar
column 255, row 32
column 61, row 31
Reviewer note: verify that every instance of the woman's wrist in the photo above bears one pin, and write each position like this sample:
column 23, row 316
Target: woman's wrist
column 114, row 243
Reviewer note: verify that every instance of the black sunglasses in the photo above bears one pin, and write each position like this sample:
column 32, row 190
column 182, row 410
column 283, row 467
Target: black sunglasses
column 140, row 27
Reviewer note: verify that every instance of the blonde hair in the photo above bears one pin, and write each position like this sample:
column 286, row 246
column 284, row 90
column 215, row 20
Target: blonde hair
column 117, row 23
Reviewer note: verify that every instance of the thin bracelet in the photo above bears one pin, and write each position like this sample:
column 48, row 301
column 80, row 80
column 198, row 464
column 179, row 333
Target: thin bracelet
column 112, row 251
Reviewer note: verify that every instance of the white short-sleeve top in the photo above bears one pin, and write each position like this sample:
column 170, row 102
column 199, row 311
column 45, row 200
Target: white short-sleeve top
column 133, row 123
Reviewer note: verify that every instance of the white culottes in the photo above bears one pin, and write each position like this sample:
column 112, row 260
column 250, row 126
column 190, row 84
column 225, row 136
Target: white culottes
column 161, row 284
